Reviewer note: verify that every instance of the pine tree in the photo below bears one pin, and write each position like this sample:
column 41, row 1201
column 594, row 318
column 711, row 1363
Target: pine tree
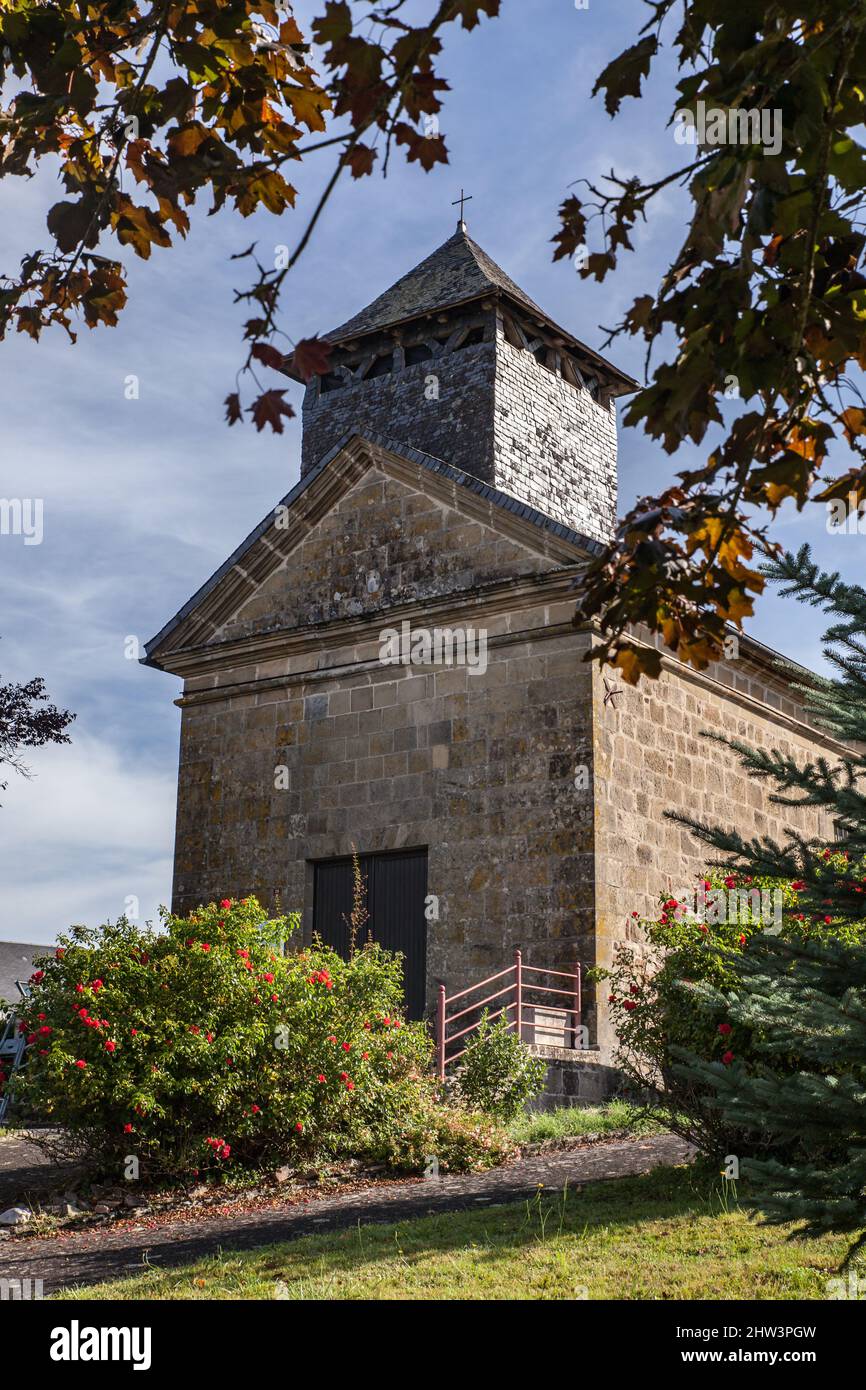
column 799, row 1002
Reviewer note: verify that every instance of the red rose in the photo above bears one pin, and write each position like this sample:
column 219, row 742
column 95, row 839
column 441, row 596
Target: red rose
column 350, row 1085
column 97, row 985
column 133, row 1032
column 320, row 1078
column 110, row 1046
column 299, row 1127
column 742, row 940
column 205, row 945
column 226, row 903
column 344, row 1076
column 728, row 1058
column 730, row 883
column 268, row 977
column 81, row 1064
column 347, row 1047
column 724, row 1029
column 127, row 1129
column 629, row 1004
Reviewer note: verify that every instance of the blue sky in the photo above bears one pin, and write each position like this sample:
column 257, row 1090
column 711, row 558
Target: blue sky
column 144, row 499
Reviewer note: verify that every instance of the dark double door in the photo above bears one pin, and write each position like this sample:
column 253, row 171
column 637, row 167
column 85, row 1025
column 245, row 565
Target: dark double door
column 396, row 892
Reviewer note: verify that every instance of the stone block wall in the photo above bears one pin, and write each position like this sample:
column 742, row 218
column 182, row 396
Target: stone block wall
column 452, row 420
column 554, row 445
column 649, row 757
column 477, row 767
column 495, row 412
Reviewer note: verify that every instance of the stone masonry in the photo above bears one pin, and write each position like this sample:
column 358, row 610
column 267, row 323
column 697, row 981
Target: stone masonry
column 540, row 805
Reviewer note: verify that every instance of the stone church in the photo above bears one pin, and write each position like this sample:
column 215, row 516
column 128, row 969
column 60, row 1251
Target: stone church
column 458, row 468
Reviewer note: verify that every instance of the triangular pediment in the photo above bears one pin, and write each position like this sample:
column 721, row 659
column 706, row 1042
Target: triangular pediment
column 371, row 530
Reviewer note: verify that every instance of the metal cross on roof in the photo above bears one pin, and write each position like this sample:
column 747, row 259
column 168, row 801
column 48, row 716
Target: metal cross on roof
column 464, row 198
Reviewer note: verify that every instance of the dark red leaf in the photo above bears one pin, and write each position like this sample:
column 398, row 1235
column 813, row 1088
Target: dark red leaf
column 269, row 409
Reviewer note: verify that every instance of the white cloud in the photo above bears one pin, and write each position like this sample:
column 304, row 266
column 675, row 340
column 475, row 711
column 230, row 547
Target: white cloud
column 92, row 827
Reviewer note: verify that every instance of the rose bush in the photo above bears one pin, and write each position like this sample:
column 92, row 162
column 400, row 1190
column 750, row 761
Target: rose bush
column 202, row 1045
column 653, row 990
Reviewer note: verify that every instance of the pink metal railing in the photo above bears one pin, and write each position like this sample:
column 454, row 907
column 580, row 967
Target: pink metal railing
column 517, row 986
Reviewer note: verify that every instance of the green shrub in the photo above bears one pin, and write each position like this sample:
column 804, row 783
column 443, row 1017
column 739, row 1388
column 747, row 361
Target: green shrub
column 448, row 1139
column 657, row 1005
column 498, row 1073
column 202, row 1046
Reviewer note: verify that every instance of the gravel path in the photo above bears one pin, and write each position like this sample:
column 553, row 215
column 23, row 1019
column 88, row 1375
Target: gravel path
column 110, row 1252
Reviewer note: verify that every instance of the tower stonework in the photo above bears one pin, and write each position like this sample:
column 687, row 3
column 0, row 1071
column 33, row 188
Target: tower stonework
column 456, row 361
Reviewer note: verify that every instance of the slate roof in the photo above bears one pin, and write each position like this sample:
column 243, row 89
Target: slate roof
column 456, row 272
column 16, row 963
column 434, row 465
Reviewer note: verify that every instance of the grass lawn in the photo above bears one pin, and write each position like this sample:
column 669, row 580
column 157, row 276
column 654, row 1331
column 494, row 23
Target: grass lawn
column 575, row 1121
column 676, row 1233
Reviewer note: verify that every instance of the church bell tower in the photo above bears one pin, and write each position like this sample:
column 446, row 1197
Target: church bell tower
column 456, row 361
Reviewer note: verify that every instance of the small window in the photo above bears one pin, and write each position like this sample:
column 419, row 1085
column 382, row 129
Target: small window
column 382, row 366
column 418, row 352
column 473, row 337
column 331, row 382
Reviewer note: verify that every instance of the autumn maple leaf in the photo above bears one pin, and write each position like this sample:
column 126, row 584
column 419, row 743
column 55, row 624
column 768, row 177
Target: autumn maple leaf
column 269, row 355
column 311, row 357
column 268, row 409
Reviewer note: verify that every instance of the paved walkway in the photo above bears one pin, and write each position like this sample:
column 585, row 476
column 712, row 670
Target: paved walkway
column 112, row 1251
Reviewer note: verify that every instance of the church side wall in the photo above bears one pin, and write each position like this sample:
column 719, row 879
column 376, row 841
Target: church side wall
column 649, row 757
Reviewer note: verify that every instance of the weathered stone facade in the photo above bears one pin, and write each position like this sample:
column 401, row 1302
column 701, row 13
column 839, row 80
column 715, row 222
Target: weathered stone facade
column 650, row 756
column 493, row 410
column 498, row 391
column 540, row 804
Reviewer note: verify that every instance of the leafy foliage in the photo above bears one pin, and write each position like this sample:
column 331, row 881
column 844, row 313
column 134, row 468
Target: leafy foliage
column 202, row 1046
column 672, row 998
column 27, row 720
column 800, row 1085
column 146, row 106
column 803, row 1088
column 764, row 303
column 498, row 1073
